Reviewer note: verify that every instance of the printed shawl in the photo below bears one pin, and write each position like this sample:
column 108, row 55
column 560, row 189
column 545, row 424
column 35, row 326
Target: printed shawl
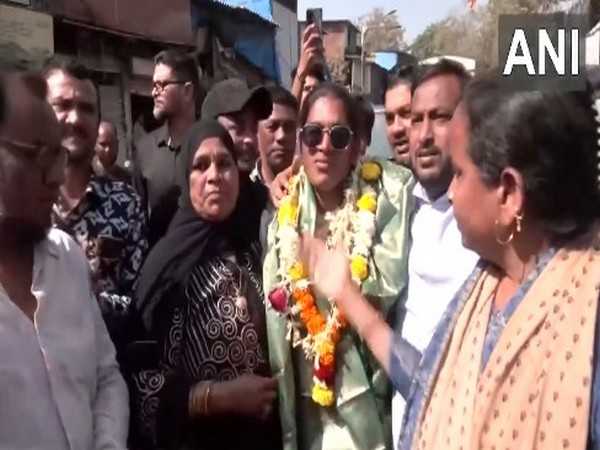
column 535, row 391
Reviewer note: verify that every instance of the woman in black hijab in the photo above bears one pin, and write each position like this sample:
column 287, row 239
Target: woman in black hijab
column 200, row 292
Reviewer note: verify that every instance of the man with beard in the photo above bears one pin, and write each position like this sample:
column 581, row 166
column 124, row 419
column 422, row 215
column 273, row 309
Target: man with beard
column 61, row 386
column 438, row 264
column 276, row 136
column 397, row 103
column 175, row 90
column 105, row 217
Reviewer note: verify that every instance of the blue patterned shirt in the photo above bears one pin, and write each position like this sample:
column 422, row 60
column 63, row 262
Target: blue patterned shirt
column 110, row 225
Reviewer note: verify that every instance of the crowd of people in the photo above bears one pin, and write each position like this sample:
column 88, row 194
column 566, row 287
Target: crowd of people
column 258, row 281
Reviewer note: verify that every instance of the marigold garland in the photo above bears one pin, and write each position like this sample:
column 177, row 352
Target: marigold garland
column 353, row 225
column 359, row 267
column 370, row 171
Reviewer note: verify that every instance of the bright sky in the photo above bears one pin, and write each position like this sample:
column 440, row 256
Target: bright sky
column 414, row 15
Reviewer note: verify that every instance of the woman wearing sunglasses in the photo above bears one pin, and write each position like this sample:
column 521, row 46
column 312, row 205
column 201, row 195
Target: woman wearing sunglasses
column 513, row 363
column 332, row 393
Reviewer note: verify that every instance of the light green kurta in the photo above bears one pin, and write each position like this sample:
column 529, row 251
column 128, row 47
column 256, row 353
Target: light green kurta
column 360, row 418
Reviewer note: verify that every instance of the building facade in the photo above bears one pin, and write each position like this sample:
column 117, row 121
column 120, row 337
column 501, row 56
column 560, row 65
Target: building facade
column 117, row 39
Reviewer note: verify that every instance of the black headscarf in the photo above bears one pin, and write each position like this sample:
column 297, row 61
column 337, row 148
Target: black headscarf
column 190, row 238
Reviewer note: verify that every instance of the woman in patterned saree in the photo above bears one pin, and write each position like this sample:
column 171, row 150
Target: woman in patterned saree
column 332, row 393
column 513, row 363
column 201, row 290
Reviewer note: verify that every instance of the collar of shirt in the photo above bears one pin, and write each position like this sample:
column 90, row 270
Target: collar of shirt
column 93, row 194
column 48, row 246
column 442, row 203
column 256, row 174
column 438, row 264
column 164, row 140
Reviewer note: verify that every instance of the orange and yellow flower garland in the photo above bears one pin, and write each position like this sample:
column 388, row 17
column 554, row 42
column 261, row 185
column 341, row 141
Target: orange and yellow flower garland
column 293, row 295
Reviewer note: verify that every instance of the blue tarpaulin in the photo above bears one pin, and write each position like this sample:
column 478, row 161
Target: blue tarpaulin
column 260, row 7
column 245, row 25
column 387, row 60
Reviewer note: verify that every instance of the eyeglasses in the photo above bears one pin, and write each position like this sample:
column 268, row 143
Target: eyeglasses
column 339, row 135
column 43, row 156
column 162, row 85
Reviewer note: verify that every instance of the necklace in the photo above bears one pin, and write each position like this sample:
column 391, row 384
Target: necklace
column 240, row 287
column 353, row 226
column 241, row 302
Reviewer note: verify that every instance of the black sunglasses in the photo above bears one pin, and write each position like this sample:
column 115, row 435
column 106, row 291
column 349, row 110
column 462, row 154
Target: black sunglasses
column 340, row 136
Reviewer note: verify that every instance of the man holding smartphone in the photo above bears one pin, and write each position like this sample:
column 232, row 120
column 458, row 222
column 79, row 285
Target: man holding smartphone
column 311, row 67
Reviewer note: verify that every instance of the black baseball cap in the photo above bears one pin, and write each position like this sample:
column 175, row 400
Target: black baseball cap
column 233, row 95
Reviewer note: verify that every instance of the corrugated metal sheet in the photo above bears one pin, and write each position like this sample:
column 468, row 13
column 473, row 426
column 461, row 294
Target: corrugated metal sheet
column 159, row 20
column 249, row 34
column 260, row 9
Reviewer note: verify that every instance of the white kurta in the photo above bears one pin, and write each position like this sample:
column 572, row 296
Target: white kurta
column 60, row 385
column 438, row 265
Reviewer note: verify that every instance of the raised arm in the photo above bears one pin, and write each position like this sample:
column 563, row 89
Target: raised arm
column 330, row 275
column 311, row 53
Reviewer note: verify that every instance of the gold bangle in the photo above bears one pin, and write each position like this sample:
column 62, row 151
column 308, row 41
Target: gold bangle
column 206, row 396
column 194, row 399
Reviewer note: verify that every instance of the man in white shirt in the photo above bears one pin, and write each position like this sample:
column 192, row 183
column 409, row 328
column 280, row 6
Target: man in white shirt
column 438, row 263
column 60, row 386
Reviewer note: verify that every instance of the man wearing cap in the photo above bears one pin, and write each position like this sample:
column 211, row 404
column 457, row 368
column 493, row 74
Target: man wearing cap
column 239, row 109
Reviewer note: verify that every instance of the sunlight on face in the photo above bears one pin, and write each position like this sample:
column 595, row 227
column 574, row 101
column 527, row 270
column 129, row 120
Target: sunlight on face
column 326, row 167
column 214, row 181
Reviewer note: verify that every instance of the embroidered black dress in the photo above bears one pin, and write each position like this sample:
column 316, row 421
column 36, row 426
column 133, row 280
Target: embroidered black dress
column 215, row 331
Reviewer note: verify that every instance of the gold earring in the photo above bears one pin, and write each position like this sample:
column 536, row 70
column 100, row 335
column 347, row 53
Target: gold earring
column 519, row 218
column 501, row 241
column 508, row 240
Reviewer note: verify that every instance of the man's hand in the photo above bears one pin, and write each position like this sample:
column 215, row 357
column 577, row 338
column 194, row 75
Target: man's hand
column 312, row 50
column 311, row 53
column 279, row 185
column 328, row 269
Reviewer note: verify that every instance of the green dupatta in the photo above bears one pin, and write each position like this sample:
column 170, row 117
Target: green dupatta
column 363, row 392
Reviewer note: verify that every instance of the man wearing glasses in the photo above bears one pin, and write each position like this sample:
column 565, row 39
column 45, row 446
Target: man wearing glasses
column 61, row 386
column 176, row 93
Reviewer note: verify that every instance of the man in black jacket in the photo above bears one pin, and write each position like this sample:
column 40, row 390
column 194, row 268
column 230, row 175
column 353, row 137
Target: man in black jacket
column 175, row 90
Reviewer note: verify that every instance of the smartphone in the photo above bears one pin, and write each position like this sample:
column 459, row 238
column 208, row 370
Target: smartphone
column 315, row 15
